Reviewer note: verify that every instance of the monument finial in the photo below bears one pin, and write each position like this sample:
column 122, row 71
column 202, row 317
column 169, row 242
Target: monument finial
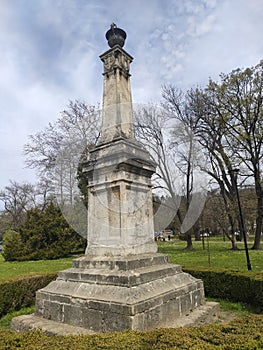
column 115, row 36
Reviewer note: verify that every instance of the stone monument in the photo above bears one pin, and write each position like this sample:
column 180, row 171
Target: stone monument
column 121, row 282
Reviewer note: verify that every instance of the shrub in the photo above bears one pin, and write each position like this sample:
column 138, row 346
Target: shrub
column 237, row 286
column 245, row 333
column 44, row 235
column 20, row 292
column 13, row 245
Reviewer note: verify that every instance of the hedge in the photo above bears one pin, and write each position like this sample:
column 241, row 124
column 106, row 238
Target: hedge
column 236, row 286
column 20, row 292
column 242, row 333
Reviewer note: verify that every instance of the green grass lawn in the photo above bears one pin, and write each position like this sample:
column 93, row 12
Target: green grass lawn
column 22, row 268
column 221, row 255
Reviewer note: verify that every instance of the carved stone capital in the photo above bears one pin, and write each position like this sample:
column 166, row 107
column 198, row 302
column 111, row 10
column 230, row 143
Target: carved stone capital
column 114, row 59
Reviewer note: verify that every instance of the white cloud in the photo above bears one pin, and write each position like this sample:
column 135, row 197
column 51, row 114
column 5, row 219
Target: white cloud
column 50, row 54
column 199, row 28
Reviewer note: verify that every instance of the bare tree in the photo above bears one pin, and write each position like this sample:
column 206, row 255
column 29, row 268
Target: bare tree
column 230, row 116
column 151, row 126
column 186, row 151
column 78, row 125
column 20, row 197
column 201, row 111
column 17, row 199
column 172, row 147
column 55, row 152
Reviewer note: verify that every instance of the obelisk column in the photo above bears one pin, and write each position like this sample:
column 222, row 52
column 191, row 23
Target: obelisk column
column 117, row 102
column 120, row 211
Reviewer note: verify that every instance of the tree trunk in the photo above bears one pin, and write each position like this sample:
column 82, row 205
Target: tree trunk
column 259, row 224
column 259, row 220
column 189, row 242
column 233, row 242
column 232, row 239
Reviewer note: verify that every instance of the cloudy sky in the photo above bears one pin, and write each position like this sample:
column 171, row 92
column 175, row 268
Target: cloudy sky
column 50, row 54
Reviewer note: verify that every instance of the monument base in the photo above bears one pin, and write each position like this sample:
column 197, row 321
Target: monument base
column 102, row 294
column 204, row 314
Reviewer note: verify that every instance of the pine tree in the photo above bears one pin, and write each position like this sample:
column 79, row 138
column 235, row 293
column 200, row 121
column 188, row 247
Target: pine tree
column 44, row 235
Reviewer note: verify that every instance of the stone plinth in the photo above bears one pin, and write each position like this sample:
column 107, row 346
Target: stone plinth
column 120, row 215
column 104, row 294
column 204, row 314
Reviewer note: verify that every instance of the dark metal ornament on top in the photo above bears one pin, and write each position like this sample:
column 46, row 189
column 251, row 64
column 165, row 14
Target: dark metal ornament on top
column 115, row 36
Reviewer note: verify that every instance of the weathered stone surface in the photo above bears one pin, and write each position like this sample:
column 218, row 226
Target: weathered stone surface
column 30, row 322
column 124, row 263
column 120, row 216
column 117, row 101
column 119, row 296
column 119, row 278
column 207, row 313
column 119, row 170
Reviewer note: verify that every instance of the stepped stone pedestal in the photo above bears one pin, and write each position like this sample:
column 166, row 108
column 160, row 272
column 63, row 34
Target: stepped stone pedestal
column 140, row 292
column 121, row 282
column 101, row 294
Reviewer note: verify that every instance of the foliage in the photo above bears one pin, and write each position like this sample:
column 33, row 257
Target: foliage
column 20, row 292
column 246, row 287
column 44, row 235
column 5, row 321
column 20, row 197
column 13, row 245
column 243, row 333
column 5, row 223
column 214, row 218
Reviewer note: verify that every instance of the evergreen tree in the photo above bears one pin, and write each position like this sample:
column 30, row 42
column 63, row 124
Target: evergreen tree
column 44, row 235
